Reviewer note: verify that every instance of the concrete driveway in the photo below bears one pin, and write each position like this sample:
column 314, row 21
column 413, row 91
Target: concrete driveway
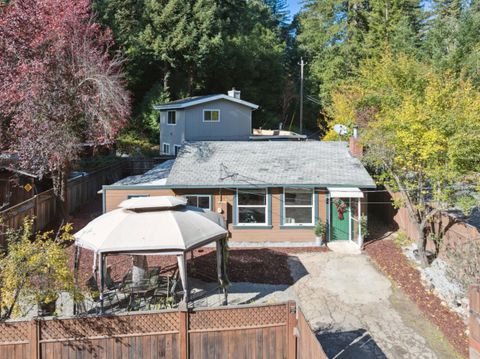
column 357, row 313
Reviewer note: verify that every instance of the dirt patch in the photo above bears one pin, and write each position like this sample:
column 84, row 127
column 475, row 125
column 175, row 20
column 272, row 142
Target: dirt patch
column 391, row 260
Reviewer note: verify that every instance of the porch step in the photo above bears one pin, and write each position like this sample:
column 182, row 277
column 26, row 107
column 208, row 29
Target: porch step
column 344, row 247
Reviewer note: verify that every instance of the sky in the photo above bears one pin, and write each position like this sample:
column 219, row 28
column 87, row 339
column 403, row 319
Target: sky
column 294, row 6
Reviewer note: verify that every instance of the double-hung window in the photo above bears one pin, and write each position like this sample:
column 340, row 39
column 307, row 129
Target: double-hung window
column 202, row 201
column 211, row 115
column 298, row 207
column 171, row 117
column 166, row 148
column 252, row 207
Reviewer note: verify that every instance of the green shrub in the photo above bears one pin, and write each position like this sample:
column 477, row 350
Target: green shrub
column 402, row 240
column 132, row 144
column 320, row 229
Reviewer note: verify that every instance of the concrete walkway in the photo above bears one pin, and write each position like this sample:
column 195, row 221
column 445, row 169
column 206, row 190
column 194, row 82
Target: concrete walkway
column 358, row 314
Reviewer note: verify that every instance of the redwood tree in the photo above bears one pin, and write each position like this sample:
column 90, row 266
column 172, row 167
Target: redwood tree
column 60, row 86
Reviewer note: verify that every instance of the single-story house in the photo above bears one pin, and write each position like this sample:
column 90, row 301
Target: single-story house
column 270, row 193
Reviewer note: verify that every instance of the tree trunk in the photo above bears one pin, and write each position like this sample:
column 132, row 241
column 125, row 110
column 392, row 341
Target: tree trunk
column 422, row 245
column 60, row 189
column 139, row 269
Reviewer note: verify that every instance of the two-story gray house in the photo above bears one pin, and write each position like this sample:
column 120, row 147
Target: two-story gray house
column 204, row 118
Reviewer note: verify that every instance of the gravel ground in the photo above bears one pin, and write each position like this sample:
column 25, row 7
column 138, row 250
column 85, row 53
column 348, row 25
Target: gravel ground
column 436, row 279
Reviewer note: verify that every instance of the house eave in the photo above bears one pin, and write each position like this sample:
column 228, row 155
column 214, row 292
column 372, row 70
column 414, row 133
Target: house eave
column 175, row 106
column 233, row 186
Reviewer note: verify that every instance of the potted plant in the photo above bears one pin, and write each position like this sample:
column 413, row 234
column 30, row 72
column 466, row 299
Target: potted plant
column 35, row 270
column 320, row 231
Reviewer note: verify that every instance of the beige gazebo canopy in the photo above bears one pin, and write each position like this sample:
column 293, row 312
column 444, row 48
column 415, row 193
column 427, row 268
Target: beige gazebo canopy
column 160, row 225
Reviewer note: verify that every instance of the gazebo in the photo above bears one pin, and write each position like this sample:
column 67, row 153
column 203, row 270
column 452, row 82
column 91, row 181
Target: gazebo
column 159, row 225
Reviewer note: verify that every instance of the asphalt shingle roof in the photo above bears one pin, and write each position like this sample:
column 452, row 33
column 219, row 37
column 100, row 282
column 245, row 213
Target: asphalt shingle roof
column 244, row 163
column 188, row 99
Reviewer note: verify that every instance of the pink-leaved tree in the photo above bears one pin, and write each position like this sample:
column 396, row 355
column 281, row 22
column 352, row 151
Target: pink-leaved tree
column 60, row 86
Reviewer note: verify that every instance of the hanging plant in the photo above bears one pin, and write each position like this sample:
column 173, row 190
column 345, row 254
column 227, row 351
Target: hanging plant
column 341, row 207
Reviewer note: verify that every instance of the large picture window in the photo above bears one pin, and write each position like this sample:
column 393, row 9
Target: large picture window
column 202, row 201
column 298, row 207
column 252, row 207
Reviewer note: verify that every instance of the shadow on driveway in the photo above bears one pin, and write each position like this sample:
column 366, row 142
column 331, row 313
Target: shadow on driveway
column 354, row 344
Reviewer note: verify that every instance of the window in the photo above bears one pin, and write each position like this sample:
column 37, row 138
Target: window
column 202, row 201
column 166, row 148
column 252, row 207
column 137, row 195
column 171, row 117
column 177, row 149
column 211, row 115
column 298, row 207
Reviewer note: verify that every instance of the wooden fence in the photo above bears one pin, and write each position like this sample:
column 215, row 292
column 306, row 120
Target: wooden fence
column 262, row 331
column 474, row 321
column 308, row 346
column 43, row 206
column 141, row 165
column 457, row 233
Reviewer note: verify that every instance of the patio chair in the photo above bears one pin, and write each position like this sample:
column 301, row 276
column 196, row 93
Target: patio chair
column 139, row 292
column 153, row 272
column 108, row 296
column 109, row 282
column 160, row 297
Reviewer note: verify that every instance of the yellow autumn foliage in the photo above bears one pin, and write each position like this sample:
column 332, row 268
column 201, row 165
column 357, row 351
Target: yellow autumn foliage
column 35, row 268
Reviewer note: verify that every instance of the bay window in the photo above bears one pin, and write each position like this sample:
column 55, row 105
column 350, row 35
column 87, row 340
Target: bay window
column 298, row 207
column 252, row 207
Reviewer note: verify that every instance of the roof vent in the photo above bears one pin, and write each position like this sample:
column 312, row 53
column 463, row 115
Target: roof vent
column 234, row 93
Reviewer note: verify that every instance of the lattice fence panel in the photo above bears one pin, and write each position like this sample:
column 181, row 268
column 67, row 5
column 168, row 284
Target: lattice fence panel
column 110, row 326
column 238, row 317
column 14, row 332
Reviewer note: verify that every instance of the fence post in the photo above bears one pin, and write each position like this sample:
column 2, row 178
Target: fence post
column 474, row 321
column 291, row 324
column 183, row 330
column 34, row 339
column 35, row 214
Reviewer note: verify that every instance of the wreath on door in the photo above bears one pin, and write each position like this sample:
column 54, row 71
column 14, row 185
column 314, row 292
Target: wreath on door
column 341, row 207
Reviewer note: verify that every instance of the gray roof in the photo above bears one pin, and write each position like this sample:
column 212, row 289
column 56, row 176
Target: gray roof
column 246, row 164
column 156, row 176
column 197, row 100
column 188, row 99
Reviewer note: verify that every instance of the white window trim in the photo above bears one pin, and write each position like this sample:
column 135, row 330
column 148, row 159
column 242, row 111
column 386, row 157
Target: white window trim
column 210, row 110
column 285, row 206
column 172, row 124
column 237, row 210
column 203, row 196
column 163, row 148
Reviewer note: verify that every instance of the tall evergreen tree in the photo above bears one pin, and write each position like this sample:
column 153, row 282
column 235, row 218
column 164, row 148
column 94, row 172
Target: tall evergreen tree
column 453, row 38
column 332, row 34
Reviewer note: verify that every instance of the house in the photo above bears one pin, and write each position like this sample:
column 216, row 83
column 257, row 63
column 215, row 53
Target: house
column 204, row 118
column 270, row 193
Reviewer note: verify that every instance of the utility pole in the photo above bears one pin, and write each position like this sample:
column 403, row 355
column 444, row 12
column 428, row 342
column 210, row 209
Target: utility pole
column 302, row 64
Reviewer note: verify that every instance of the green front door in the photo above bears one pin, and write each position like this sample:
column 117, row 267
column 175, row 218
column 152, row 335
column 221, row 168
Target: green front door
column 339, row 221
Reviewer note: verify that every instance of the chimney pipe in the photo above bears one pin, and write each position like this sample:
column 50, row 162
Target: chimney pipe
column 234, row 93
column 354, row 145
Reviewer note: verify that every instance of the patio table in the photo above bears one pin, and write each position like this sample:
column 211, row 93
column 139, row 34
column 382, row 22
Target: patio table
column 138, row 292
